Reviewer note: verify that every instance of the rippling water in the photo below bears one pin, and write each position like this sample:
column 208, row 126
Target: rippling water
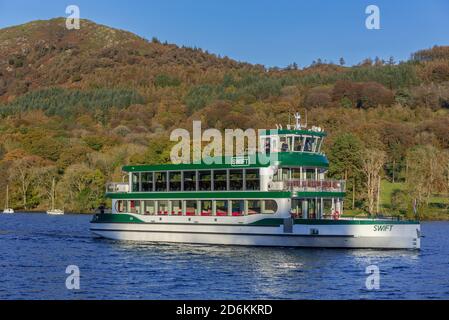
column 35, row 250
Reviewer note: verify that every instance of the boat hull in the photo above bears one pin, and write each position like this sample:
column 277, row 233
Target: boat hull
column 55, row 213
column 376, row 234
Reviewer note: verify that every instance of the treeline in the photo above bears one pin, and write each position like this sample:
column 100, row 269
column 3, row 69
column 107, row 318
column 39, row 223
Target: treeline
column 68, row 103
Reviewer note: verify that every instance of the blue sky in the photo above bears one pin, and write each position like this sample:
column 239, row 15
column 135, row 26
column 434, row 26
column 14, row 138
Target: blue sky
column 273, row 33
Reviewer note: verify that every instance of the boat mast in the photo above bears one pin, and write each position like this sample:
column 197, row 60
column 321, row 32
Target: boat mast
column 7, row 197
column 53, row 195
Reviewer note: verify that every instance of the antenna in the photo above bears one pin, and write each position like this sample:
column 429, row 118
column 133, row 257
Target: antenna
column 306, row 120
column 298, row 121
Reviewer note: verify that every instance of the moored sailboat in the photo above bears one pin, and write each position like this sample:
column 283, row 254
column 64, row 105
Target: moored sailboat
column 7, row 209
column 53, row 210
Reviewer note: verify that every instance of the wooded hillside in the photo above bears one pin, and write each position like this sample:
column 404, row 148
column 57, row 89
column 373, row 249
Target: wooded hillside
column 79, row 104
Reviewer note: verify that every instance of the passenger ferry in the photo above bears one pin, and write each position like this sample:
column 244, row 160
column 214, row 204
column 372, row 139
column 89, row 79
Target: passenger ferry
column 288, row 202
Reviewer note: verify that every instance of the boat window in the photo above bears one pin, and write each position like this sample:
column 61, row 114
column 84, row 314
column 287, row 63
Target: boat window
column 149, row 208
column 311, row 208
column 252, row 179
column 220, row 180
column 310, row 174
column 276, row 174
column 120, row 206
column 135, row 181
column 189, row 180
column 147, row 181
column 236, row 179
column 290, row 143
column 327, row 207
column 310, row 144
column 296, row 208
column 175, row 181
column 318, row 144
column 176, row 207
column 296, row 173
column 163, row 207
column 283, row 143
column 221, row 207
column 253, row 207
column 135, row 207
column 269, row 206
column 191, row 207
column 298, row 144
column 238, row 207
column 283, row 174
column 274, row 144
column 205, row 182
column 161, row 181
column 266, row 145
column 206, row 207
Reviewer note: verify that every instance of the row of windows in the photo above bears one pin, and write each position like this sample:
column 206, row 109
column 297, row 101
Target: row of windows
column 197, row 207
column 201, row 180
column 295, row 173
column 292, row 143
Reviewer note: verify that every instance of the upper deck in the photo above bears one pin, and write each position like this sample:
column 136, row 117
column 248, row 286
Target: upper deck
column 287, row 160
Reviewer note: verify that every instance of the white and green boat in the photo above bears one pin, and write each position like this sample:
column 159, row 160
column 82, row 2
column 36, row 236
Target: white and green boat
column 288, row 202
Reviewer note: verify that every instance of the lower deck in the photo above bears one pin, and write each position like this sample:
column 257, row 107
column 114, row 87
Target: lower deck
column 305, row 208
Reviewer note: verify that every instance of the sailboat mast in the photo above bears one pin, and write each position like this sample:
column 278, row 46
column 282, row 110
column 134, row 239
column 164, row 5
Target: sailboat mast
column 53, row 195
column 7, row 197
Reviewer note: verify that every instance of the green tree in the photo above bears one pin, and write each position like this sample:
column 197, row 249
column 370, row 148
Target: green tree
column 345, row 161
column 82, row 188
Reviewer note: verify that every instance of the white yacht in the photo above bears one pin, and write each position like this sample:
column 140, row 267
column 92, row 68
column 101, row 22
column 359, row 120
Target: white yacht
column 53, row 210
column 7, row 208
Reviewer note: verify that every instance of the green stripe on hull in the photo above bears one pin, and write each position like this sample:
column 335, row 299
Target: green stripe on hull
column 115, row 218
column 351, row 222
column 319, row 194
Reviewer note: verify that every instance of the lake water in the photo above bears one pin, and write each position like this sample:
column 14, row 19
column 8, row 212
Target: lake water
column 35, row 250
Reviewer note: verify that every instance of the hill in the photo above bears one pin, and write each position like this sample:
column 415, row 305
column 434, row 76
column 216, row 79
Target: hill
column 77, row 104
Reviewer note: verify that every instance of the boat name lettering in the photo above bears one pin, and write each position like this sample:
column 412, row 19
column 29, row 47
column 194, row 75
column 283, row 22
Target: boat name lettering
column 384, row 227
column 240, row 161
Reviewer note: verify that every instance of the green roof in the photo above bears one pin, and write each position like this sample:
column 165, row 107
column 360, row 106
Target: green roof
column 284, row 159
column 299, row 132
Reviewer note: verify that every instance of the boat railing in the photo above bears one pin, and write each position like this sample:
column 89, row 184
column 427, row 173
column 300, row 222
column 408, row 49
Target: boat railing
column 114, row 187
column 309, row 185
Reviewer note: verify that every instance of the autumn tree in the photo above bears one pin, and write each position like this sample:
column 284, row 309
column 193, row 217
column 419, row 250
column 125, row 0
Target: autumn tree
column 44, row 179
column 427, row 172
column 372, row 163
column 82, row 188
column 24, row 171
